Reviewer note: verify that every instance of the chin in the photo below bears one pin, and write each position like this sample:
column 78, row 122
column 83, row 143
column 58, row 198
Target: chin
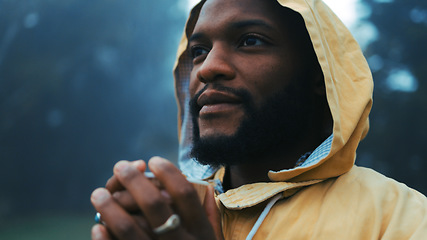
column 214, row 133
column 219, row 129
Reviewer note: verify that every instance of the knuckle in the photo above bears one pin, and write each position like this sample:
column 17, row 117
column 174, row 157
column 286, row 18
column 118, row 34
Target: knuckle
column 155, row 203
column 125, row 172
column 131, row 174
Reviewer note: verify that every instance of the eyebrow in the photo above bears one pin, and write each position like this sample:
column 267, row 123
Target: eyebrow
column 250, row 23
column 195, row 36
column 236, row 25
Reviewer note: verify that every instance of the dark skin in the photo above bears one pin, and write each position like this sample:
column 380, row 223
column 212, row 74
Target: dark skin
column 131, row 204
column 248, row 47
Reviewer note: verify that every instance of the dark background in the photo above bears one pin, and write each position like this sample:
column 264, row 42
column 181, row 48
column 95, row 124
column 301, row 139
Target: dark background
column 84, row 84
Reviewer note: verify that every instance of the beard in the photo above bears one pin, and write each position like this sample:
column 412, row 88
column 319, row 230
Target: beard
column 276, row 126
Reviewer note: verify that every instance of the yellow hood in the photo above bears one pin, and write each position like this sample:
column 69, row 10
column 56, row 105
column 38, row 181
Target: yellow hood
column 348, row 84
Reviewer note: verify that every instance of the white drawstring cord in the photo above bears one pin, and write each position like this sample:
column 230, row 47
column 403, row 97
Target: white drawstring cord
column 262, row 216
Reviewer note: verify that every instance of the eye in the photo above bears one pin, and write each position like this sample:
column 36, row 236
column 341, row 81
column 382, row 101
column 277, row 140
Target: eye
column 197, row 51
column 251, row 41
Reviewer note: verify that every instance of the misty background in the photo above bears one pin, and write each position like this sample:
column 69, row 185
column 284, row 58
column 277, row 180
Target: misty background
column 84, row 84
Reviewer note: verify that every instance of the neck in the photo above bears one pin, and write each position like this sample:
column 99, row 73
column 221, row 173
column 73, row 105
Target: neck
column 257, row 171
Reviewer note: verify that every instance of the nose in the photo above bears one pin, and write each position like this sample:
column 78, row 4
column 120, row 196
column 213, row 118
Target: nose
column 216, row 66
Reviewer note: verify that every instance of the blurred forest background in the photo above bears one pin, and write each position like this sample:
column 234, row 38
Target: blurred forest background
column 84, row 84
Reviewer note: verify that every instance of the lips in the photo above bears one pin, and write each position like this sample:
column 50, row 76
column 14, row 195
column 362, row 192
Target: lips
column 212, row 97
column 214, row 101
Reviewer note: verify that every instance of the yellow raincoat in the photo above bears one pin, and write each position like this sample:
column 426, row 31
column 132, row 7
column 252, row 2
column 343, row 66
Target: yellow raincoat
column 331, row 198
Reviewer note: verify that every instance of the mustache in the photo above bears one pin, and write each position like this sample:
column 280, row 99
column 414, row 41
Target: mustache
column 241, row 93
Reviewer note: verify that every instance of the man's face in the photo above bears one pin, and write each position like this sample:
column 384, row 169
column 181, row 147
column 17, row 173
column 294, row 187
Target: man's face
column 245, row 66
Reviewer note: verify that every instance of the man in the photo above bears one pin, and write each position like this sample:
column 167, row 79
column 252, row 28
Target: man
column 274, row 99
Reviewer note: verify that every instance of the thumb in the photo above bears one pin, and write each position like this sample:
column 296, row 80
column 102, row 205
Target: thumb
column 212, row 212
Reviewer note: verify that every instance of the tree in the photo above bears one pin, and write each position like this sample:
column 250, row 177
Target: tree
column 83, row 84
column 398, row 135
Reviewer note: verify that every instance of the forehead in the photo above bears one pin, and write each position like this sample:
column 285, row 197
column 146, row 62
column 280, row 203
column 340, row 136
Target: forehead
column 216, row 12
column 248, row 5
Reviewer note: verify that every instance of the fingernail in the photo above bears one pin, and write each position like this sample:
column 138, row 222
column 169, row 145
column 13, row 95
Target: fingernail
column 96, row 232
column 122, row 167
column 100, row 195
column 156, row 161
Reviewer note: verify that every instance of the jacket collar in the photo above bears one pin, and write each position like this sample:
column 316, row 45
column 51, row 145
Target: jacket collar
column 252, row 194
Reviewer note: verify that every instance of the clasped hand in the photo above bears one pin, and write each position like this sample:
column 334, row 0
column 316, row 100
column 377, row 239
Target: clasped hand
column 131, row 205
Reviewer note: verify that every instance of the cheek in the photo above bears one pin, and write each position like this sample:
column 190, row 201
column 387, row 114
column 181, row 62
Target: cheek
column 194, row 84
column 268, row 81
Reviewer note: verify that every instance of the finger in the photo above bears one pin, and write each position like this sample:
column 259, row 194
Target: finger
column 143, row 224
column 119, row 222
column 212, row 212
column 184, row 196
column 113, row 184
column 127, row 202
column 148, row 197
column 100, row 232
